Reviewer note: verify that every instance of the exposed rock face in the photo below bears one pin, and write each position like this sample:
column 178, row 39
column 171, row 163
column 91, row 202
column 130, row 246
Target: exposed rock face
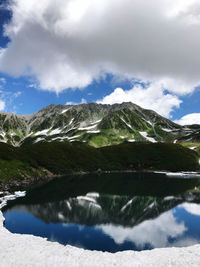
column 95, row 124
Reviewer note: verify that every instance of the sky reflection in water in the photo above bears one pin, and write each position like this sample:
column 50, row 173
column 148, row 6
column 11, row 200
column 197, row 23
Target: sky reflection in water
column 110, row 222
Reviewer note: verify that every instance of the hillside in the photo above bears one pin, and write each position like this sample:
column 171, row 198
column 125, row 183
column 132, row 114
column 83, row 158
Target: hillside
column 94, row 124
column 58, row 158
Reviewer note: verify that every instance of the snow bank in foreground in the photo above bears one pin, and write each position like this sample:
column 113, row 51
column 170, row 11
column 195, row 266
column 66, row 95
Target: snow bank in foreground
column 26, row 250
column 4, row 199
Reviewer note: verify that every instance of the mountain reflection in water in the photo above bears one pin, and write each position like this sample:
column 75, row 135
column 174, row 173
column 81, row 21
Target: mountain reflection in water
column 147, row 211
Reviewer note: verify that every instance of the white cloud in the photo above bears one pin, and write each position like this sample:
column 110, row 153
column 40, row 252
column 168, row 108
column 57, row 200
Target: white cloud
column 2, row 105
column 155, row 232
column 17, row 94
column 2, row 80
column 7, row 100
column 32, row 85
column 193, row 118
column 68, row 43
column 151, row 97
column 83, row 101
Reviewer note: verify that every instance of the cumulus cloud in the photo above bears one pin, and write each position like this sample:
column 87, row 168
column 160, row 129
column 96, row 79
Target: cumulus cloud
column 193, row 118
column 69, row 43
column 153, row 96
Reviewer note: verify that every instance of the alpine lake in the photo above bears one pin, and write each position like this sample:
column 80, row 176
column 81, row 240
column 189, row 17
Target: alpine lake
column 111, row 212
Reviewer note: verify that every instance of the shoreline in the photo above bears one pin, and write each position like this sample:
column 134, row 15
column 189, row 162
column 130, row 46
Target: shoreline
column 27, row 250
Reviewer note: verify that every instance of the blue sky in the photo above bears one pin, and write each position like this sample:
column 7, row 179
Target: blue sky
column 53, row 55
column 31, row 98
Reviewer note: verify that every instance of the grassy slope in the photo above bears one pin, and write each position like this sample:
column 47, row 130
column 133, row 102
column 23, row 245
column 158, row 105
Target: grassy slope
column 63, row 157
column 194, row 146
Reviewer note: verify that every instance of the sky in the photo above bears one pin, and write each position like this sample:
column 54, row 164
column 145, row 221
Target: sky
column 74, row 51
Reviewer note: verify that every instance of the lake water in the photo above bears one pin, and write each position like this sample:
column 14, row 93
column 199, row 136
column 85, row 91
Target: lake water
column 110, row 212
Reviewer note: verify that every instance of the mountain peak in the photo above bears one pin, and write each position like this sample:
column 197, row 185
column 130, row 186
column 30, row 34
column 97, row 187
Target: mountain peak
column 95, row 124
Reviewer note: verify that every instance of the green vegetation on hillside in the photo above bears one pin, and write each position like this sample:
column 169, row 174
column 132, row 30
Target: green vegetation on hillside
column 28, row 161
column 193, row 146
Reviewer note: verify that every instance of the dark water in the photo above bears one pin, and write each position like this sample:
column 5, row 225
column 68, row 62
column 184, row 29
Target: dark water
column 111, row 212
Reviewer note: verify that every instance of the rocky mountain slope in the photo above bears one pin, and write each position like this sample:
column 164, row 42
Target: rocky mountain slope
column 95, row 124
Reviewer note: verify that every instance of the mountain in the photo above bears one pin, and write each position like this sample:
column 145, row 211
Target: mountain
column 94, row 124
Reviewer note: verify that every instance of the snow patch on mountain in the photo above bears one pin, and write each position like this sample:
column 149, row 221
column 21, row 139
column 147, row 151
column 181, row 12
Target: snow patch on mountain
column 3, row 134
column 167, row 130
column 93, row 132
column 60, row 138
column 74, row 137
column 71, row 121
column 43, row 132
column 150, row 139
column 55, row 131
column 39, row 139
column 71, row 129
column 65, row 110
column 87, row 128
column 126, row 123
column 149, row 122
column 96, row 122
column 192, row 147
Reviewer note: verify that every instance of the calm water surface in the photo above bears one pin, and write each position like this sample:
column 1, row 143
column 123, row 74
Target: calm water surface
column 110, row 212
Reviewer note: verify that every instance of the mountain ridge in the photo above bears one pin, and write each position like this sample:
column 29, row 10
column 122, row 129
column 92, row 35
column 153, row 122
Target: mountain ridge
column 95, row 124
